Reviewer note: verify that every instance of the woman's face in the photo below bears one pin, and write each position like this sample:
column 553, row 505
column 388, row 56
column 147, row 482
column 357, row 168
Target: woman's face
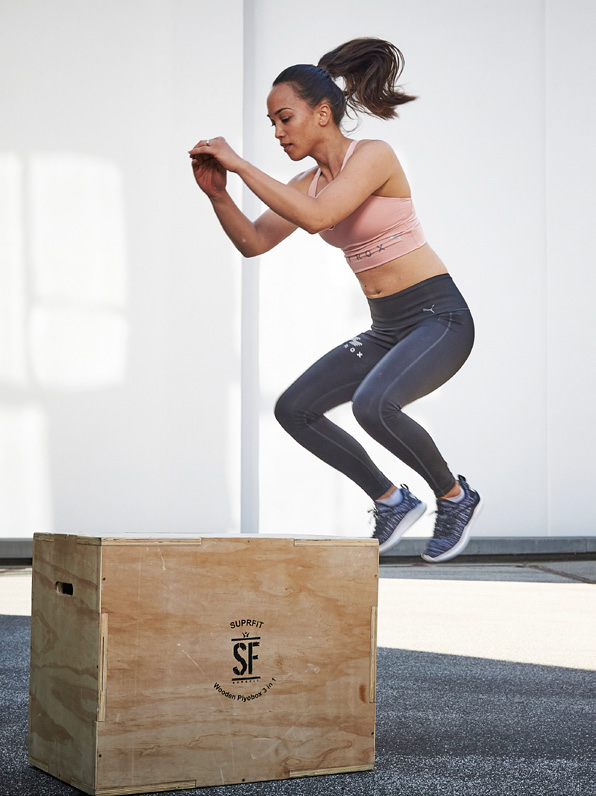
column 296, row 124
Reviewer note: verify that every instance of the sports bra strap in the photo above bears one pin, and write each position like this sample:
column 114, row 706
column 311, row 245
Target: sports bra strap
column 349, row 153
column 312, row 188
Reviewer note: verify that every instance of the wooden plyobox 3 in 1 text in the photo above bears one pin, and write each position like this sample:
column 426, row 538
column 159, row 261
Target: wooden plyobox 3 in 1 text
column 170, row 663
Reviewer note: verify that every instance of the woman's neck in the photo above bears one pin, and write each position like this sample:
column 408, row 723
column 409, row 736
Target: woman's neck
column 330, row 156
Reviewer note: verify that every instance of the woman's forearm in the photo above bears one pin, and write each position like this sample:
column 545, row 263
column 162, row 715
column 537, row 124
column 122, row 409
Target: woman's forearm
column 239, row 229
column 336, row 201
column 285, row 200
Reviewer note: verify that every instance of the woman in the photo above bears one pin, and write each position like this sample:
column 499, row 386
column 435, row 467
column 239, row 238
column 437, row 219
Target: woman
column 358, row 198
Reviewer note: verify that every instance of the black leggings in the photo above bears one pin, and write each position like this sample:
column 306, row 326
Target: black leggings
column 420, row 337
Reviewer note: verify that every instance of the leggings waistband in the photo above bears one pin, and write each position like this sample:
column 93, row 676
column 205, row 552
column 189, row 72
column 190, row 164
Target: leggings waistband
column 432, row 296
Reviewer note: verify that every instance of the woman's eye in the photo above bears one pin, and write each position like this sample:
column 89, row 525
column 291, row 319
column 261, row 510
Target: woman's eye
column 284, row 121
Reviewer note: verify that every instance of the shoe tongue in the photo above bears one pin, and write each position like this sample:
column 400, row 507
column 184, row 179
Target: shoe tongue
column 449, row 512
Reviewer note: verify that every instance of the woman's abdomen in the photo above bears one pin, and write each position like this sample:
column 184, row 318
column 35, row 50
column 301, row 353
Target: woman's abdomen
column 401, row 273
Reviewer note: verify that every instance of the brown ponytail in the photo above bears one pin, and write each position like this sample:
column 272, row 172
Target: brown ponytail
column 370, row 69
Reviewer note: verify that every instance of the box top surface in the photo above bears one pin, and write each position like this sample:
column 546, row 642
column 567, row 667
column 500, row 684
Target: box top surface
column 195, row 538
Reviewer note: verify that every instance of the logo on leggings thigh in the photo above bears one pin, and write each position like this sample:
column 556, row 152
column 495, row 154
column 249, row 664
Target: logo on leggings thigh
column 352, row 345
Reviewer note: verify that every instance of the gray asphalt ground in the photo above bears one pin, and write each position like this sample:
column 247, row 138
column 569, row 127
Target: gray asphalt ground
column 485, row 686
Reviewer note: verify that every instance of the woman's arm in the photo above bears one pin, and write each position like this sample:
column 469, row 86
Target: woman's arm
column 250, row 238
column 371, row 165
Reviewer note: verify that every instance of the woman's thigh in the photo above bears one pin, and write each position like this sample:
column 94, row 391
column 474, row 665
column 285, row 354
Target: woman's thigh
column 334, row 378
column 423, row 360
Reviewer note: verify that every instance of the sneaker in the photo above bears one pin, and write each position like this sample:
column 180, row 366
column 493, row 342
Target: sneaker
column 391, row 522
column 453, row 523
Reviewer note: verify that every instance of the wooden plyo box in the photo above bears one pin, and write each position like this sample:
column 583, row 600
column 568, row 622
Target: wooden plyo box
column 173, row 663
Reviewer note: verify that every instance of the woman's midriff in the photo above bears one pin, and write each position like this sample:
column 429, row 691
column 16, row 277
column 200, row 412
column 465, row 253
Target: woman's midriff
column 403, row 272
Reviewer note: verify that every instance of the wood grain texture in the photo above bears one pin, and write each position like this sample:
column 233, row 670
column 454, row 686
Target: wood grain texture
column 102, row 678
column 372, row 693
column 64, row 658
column 319, row 772
column 147, row 542
column 335, row 542
column 146, row 788
column 175, row 619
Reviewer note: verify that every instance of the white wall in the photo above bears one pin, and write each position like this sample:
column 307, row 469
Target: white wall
column 507, row 214
column 571, row 265
column 119, row 299
column 121, row 309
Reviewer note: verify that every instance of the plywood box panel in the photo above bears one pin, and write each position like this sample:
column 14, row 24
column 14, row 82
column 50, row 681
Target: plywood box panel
column 64, row 657
column 206, row 661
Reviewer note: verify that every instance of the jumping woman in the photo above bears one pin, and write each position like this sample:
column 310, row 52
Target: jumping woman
column 357, row 198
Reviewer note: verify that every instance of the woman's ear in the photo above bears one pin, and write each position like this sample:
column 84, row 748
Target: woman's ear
column 324, row 114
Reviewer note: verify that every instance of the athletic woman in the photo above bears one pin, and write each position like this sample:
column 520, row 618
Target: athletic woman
column 357, row 198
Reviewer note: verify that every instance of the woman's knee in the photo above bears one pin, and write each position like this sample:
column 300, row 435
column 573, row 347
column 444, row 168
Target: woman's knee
column 365, row 407
column 291, row 411
column 373, row 411
column 284, row 409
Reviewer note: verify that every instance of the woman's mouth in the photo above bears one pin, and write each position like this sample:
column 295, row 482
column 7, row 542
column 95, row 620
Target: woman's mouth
column 286, row 147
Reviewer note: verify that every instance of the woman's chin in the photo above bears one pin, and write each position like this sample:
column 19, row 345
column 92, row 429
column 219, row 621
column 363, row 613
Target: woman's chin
column 294, row 154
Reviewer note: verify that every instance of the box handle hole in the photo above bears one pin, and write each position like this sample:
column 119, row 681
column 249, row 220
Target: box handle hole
column 64, row 588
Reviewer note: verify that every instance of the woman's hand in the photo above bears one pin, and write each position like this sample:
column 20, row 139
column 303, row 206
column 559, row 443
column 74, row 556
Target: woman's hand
column 210, row 175
column 211, row 159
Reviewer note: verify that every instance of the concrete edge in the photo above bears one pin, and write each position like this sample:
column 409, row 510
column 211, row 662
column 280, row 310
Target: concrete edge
column 481, row 546
column 15, row 549
column 488, row 546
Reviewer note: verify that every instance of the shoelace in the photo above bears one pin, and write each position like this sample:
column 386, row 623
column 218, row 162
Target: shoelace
column 379, row 515
column 379, row 509
column 447, row 516
column 375, row 513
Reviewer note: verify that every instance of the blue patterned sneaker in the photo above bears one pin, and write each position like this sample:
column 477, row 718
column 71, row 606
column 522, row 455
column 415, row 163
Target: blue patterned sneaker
column 391, row 522
column 453, row 523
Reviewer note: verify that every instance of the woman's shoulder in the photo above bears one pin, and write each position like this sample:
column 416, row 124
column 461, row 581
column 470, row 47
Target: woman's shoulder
column 303, row 180
column 375, row 148
column 368, row 152
column 373, row 143
column 378, row 157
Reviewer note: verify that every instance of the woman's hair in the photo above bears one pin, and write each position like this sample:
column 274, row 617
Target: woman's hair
column 370, row 69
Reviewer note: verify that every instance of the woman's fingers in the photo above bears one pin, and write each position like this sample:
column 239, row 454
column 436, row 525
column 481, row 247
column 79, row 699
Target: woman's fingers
column 216, row 149
column 205, row 144
column 202, row 146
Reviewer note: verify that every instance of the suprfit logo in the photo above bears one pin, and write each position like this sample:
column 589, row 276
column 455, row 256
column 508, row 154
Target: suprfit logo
column 245, row 650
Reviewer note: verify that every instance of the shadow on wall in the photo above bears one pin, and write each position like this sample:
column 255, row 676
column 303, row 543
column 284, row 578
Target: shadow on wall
column 63, row 322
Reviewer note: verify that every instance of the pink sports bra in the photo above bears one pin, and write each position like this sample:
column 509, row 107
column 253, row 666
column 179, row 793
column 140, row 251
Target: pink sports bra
column 379, row 230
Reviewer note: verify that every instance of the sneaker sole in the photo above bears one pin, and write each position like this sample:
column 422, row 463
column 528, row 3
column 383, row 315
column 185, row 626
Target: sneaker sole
column 411, row 517
column 462, row 544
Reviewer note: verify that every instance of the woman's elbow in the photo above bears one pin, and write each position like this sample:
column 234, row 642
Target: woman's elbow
column 249, row 253
column 316, row 225
column 248, row 248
